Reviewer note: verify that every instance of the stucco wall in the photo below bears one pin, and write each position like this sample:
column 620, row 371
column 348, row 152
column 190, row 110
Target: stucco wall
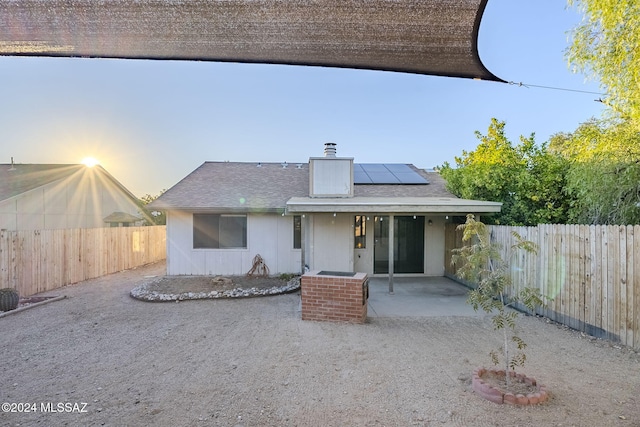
column 330, row 242
column 434, row 246
column 269, row 235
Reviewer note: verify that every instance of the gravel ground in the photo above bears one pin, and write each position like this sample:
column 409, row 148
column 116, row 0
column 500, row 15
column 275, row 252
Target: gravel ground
column 254, row 362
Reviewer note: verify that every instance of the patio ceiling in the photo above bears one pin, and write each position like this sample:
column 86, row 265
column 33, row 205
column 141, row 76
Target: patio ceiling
column 434, row 37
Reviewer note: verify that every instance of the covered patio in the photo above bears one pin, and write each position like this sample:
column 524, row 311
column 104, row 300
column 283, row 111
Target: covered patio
column 418, row 297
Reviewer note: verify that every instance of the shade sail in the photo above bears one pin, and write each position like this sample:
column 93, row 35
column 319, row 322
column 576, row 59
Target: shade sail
column 435, row 37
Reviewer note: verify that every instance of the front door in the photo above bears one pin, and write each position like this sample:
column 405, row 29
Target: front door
column 408, row 244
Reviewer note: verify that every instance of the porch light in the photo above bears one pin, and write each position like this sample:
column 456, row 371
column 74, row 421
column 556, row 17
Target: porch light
column 430, row 222
column 334, row 214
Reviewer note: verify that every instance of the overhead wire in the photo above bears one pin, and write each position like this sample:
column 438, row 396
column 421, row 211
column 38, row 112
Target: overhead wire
column 527, row 85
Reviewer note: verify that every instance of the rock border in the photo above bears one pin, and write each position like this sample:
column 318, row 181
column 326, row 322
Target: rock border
column 144, row 293
column 496, row 395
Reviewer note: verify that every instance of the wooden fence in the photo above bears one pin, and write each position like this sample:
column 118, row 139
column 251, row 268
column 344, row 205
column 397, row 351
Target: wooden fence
column 42, row 260
column 591, row 272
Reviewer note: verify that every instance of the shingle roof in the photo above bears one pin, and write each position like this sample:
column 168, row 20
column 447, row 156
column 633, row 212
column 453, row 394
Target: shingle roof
column 234, row 186
column 19, row 178
column 437, row 37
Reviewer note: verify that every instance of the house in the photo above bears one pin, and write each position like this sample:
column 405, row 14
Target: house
column 58, row 196
column 327, row 214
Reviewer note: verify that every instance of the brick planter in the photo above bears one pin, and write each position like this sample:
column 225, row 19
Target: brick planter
column 496, row 395
column 334, row 296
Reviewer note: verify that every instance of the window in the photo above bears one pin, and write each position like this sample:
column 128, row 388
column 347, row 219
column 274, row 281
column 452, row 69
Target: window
column 213, row 231
column 360, row 230
column 297, row 232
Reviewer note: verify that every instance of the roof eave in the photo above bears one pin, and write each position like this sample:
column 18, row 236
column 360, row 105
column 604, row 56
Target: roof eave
column 388, row 205
column 218, row 209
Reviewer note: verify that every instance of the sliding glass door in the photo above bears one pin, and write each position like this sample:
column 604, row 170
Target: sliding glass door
column 408, row 244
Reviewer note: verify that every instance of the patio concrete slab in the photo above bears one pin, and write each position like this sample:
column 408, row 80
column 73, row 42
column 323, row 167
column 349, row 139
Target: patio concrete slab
column 418, row 297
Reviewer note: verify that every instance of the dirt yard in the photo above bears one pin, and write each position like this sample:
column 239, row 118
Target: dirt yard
column 118, row 361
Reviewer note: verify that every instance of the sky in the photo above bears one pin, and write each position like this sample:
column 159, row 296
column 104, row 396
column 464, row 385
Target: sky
column 150, row 123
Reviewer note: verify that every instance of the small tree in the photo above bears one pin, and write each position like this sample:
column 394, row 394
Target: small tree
column 480, row 263
column 157, row 217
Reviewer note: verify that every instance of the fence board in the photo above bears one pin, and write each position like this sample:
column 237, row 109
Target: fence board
column 613, row 280
column 583, row 311
column 563, row 272
column 42, row 260
column 4, row 257
column 605, row 279
column 574, row 279
column 628, row 318
column 636, row 287
column 621, row 284
column 544, row 252
column 593, row 278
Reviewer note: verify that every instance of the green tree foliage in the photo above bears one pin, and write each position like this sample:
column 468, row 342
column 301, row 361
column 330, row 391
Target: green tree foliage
column 603, row 179
column 159, row 218
column 479, row 262
column 589, row 176
column 604, row 157
column 526, row 178
column 606, row 46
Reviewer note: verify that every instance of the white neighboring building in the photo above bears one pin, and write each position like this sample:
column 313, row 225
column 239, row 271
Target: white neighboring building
column 327, row 214
column 59, row 196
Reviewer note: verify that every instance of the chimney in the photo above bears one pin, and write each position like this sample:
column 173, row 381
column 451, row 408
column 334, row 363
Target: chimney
column 330, row 149
column 330, row 176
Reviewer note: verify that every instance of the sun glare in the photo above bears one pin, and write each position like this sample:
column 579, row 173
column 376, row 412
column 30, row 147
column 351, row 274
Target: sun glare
column 90, row 162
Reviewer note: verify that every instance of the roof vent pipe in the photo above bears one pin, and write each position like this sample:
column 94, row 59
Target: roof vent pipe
column 330, row 149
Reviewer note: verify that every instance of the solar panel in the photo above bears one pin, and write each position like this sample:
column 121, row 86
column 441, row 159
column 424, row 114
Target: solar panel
column 360, row 177
column 383, row 178
column 373, row 167
column 397, row 167
column 410, row 178
column 386, row 173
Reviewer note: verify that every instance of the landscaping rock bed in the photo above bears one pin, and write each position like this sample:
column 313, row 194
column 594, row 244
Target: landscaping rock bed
column 182, row 288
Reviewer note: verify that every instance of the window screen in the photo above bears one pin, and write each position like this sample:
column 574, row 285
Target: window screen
column 215, row 231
